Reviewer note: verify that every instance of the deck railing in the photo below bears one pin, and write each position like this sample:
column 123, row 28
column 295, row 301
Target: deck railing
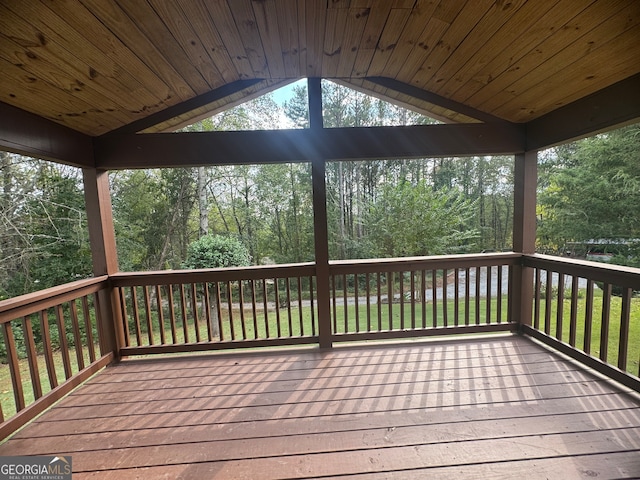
column 588, row 311
column 178, row 311
column 422, row 296
column 52, row 341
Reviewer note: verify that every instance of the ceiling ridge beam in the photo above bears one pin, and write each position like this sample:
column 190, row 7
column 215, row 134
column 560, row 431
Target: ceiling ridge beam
column 189, row 149
column 613, row 106
column 434, row 98
column 185, row 107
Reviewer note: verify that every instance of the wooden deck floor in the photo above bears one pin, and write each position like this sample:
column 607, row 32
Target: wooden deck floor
column 500, row 407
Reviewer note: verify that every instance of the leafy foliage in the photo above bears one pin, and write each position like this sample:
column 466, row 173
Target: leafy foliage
column 216, row 251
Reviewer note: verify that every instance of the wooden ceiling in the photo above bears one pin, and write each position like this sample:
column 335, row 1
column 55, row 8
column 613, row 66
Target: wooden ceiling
column 99, row 66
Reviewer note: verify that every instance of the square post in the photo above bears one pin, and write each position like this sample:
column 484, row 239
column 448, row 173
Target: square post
column 104, row 255
column 321, row 236
column 524, row 234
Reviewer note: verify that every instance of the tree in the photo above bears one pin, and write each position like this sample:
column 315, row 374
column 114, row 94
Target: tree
column 216, row 251
column 591, row 190
column 411, row 220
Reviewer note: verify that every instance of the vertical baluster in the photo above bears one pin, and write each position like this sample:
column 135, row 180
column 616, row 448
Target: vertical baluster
column 334, row 304
column 64, row 346
column 379, row 299
column 194, row 311
column 276, row 294
column 32, row 357
column 489, row 270
column 467, row 294
column 219, row 310
column 423, row 295
column 536, row 305
column 136, row 315
column 289, row 314
column 573, row 318
column 48, row 349
column 183, row 311
column 604, row 329
column 123, row 312
column 356, row 301
column 242, row 318
column 14, row 366
column 367, row 280
column 588, row 317
column 625, row 316
column 390, row 280
column 86, row 314
column 300, row 312
column 478, row 293
column 445, row 313
column 265, row 302
column 434, row 298
column 77, row 336
column 412, row 286
column 456, row 297
column 499, row 295
column 560, row 307
column 230, row 305
column 254, row 309
column 548, row 303
column 147, row 313
column 312, row 307
column 345, row 300
column 163, row 338
column 172, row 314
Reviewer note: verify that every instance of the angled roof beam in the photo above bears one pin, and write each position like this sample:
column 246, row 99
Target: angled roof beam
column 185, row 107
column 28, row 134
column 435, row 99
column 610, row 107
column 187, row 149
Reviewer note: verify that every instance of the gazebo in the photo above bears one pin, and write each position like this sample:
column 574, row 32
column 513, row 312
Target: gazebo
column 503, row 382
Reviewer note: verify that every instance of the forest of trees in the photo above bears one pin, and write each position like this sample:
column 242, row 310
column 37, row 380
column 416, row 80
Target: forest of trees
column 382, row 208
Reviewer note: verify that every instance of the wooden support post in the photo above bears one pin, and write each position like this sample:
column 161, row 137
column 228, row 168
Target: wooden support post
column 524, row 234
column 104, row 255
column 321, row 236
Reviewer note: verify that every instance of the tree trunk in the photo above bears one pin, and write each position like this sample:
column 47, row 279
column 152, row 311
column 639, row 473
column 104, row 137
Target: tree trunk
column 203, row 204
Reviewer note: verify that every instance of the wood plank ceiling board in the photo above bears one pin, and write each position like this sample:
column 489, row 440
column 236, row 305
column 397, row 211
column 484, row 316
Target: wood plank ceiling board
column 222, row 25
column 335, row 25
column 525, row 69
column 158, row 34
column 411, row 35
column 216, row 71
column 197, row 15
column 431, row 37
column 356, row 22
column 388, row 40
column 585, row 57
column 316, row 13
column 482, row 36
column 124, row 28
column 459, row 28
column 72, row 25
column 248, row 29
column 289, row 30
column 378, row 15
column 266, row 17
column 491, row 65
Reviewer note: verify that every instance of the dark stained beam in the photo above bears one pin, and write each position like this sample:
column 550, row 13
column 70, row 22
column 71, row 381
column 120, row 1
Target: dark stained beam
column 185, row 107
column 613, row 106
column 434, row 99
column 188, row 149
column 27, row 134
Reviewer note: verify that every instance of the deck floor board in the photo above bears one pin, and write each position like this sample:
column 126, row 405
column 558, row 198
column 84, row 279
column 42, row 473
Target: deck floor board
column 499, row 407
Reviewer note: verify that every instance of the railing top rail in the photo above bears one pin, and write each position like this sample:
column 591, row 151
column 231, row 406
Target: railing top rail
column 258, row 272
column 34, row 302
column 606, row 272
column 427, row 262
